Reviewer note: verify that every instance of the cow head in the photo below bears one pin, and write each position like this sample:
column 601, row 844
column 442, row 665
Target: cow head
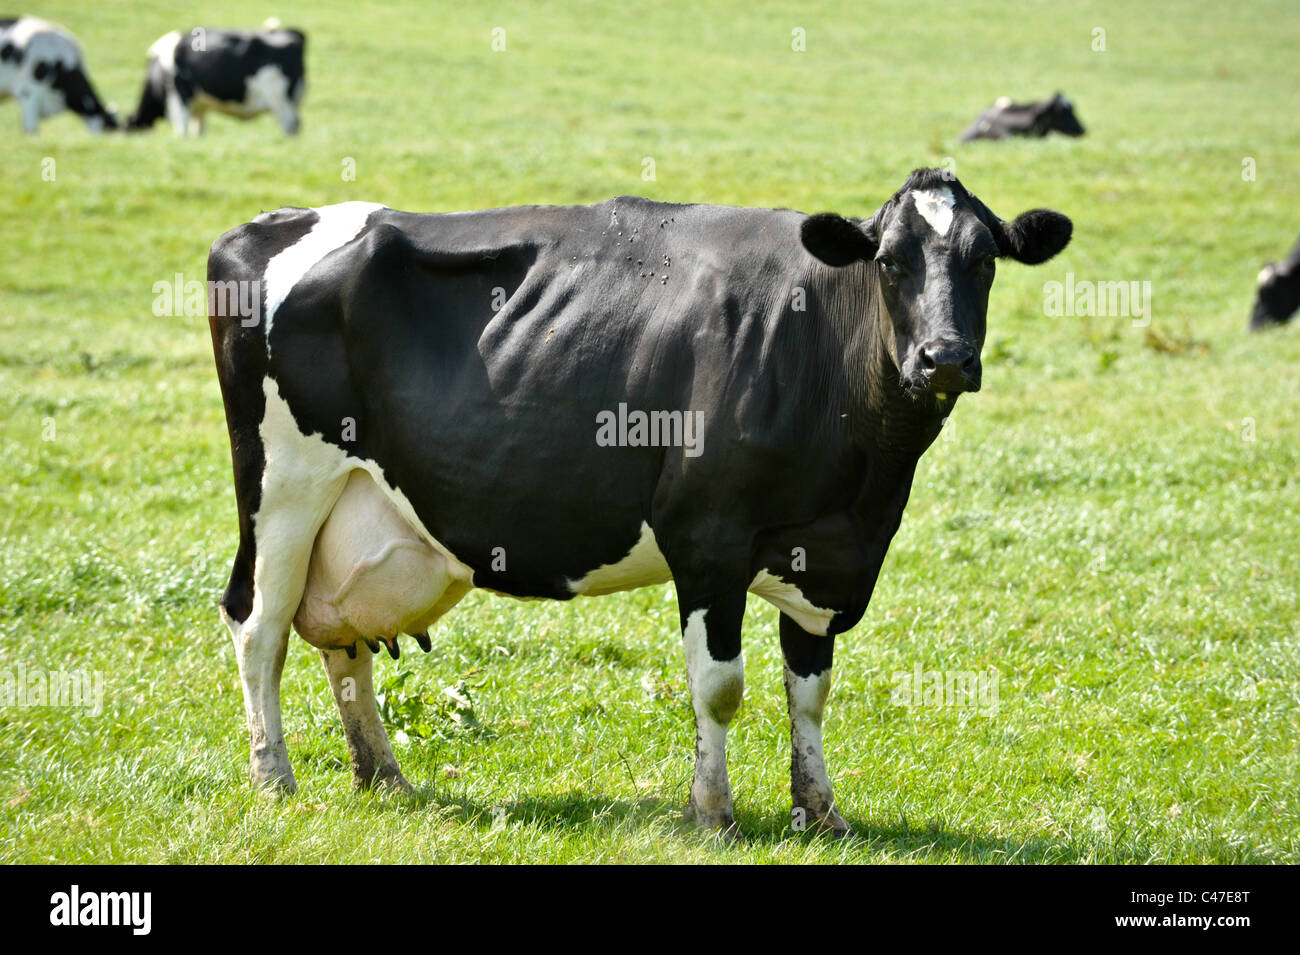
column 1277, row 295
column 1056, row 115
column 931, row 252
column 73, row 85
column 78, row 95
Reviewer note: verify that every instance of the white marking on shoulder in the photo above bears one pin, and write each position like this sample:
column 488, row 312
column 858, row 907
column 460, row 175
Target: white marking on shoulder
column 164, row 49
column 644, row 565
column 935, row 207
column 1003, row 102
column 1265, row 274
column 790, row 600
column 336, row 226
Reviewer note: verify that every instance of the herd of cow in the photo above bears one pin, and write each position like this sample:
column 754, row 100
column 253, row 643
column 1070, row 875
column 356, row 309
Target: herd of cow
column 416, row 411
column 239, row 72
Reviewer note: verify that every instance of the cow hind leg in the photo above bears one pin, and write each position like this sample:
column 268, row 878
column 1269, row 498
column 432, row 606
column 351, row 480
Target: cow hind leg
column 265, row 592
column 715, row 672
column 284, row 542
column 373, row 762
column 807, row 684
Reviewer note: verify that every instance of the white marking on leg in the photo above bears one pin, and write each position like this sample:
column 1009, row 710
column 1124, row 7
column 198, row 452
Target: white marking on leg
column 717, row 687
column 337, row 225
column 299, row 486
column 260, row 646
column 643, row 566
column 790, row 600
column 178, row 114
column 810, row 785
column 935, row 207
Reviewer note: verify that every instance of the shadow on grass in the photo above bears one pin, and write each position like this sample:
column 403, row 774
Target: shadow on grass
column 880, row 839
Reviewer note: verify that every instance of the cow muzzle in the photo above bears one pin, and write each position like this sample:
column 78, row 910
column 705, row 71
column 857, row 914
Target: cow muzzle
column 945, row 367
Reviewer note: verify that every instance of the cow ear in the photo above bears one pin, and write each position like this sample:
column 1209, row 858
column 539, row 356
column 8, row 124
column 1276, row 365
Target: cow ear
column 838, row 241
column 1035, row 236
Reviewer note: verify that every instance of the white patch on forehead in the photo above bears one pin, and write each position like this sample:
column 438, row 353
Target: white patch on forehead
column 935, row 207
column 336, row 226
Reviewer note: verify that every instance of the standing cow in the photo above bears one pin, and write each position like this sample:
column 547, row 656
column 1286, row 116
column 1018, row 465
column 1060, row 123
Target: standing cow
column 237, row 72
column 1005, row 118
column 553, row 401
column 1277, row 292
column 41, row 66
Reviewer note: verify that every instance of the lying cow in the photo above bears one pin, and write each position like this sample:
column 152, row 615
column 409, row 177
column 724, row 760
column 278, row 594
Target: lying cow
column 236, row 72
column 1277, row 294
column 432, row 403
column 1005, row 118
column 41, row 66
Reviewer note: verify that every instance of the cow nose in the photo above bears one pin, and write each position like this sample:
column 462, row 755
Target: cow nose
column 950, row 366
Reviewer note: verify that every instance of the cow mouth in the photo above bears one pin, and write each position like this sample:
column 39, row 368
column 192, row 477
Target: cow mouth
column 942, row 385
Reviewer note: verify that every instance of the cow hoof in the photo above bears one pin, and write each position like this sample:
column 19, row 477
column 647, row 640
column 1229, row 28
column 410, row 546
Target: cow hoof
column 269, row 771
column 834, row 827
column 719, row 824
column 829, row 823
column 274, row 787
column 383, row 780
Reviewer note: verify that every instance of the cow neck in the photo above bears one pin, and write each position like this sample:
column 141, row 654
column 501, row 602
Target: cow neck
column 892, row 429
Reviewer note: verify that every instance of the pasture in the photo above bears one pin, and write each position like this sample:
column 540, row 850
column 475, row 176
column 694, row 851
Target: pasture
column 1110, row 525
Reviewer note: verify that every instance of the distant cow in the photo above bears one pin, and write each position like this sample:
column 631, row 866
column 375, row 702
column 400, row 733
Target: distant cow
column 237, row 72
column 1278, row 292
column 1005, row 118
column 41, row 66
column 548, row 401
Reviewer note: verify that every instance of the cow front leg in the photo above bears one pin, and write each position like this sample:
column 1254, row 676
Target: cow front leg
column 29, row 103
column 807, row 684
column 373, row 762
column 715, row 672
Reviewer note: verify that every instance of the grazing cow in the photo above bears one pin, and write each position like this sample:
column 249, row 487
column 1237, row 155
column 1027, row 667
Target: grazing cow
column 41, row 66
column 1277, row 292
column 237, row 72
column 1005, row 118
column 552, row 401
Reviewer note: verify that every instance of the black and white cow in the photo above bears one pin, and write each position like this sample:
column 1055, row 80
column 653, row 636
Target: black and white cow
column 553, row 401
column 1277, row 292
column 41, row 66
column 237, row 72
column 1005, row 118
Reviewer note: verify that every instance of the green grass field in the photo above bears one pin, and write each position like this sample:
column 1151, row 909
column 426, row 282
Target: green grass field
column 1110, row 523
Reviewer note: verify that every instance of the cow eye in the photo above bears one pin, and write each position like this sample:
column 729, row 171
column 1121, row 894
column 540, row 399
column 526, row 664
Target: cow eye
column 889, row 265
column 985, row 265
